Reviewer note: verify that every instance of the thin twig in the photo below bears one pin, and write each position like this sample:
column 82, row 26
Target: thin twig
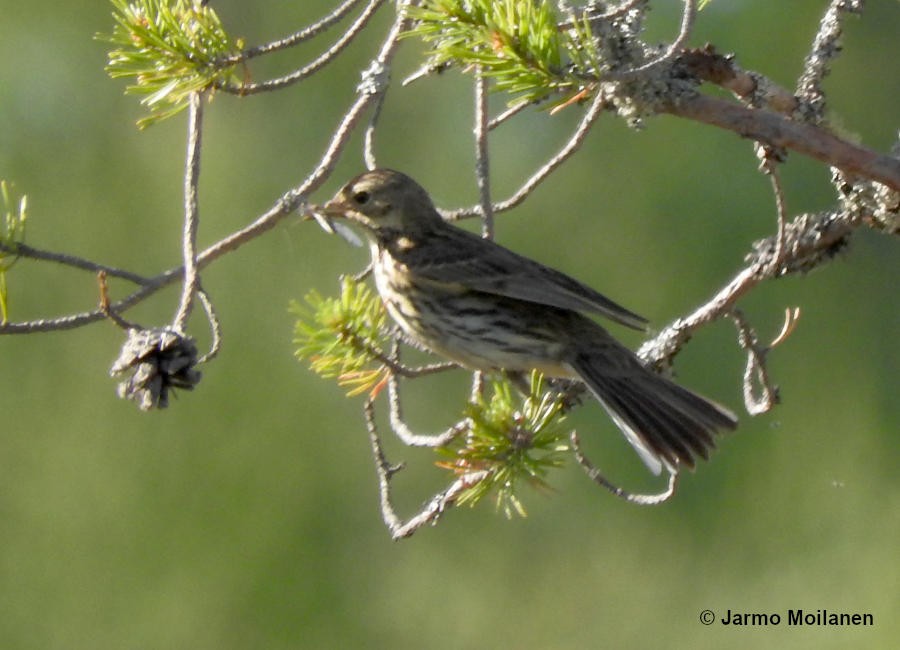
column 597, row 476
column 437, row 506
column 215, row 327
column 433, row 509
column 191, row 213
column 29, row 252
column 304, row 34
column 317, row 64
column 760, row 394
column 105, row 307
column 424, row 71
column 569, row 148
column 689, row 14
column 781, row 210
column 73, row 321
column 369, row 136
column 392, row 363
column 406, row 434
column 384, row 469
column 573, row 145
column 483, row 179
column 665, row 345
column 507, row 114
column 482, row 157
column 367, row 93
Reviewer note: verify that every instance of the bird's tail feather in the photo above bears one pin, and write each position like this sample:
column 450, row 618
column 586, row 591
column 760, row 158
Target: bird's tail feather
column 666, row 424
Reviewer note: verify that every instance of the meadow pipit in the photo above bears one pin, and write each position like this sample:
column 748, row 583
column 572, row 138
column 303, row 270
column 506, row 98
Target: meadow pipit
column 487, row 308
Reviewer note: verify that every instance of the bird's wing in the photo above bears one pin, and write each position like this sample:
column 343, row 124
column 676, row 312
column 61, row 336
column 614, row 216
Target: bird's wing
column 458, row 256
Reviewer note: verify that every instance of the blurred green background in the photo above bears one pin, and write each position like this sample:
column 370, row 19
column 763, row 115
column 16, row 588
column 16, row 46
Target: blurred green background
column 246, row 515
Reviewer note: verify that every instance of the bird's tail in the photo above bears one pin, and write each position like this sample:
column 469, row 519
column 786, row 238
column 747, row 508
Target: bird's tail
column 668, row 425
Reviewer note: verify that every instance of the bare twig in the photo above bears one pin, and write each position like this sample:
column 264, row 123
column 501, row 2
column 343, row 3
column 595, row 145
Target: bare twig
column 760, row 394
column 482, row 158
column 571, row 146
column 433, row 509
column 425, row 70
column 398, row 424
column 311, row 68
column 483, row 178
column 369, row 91
column 392, row 362
column 215, row 326
column 369, row 138
column 105, row 307
column 29, row 252
column 191, row 213
column 659, row 350
column 770, row 167
column 406, row 434
column 304, row 34
column 597, row 476
column 509, row 113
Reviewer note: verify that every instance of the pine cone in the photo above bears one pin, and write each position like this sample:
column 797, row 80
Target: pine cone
column 159, row 359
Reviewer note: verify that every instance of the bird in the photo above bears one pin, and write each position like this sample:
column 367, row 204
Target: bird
column 487, row 308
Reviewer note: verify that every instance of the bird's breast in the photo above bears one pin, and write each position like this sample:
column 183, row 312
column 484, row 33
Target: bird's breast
column 477, row 330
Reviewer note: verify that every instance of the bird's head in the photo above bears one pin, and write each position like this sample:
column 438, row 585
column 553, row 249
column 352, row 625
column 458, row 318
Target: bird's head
column 383, row 199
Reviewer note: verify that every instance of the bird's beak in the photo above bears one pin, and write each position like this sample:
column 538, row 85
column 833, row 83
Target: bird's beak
column 335, row 208
column 324, row 215
column 317, row 214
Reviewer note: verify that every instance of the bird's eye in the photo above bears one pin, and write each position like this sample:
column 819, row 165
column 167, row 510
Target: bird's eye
column 361, row 198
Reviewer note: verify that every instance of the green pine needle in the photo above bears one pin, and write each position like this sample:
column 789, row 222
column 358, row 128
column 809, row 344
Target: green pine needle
column 12, row 233
column 517, row 439
column 516, row 42
column 338, row 335
column 169, row 49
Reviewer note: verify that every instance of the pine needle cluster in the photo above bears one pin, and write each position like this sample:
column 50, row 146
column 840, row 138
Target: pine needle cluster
column 516, row 42
column 518, row 439
column 169, row 49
